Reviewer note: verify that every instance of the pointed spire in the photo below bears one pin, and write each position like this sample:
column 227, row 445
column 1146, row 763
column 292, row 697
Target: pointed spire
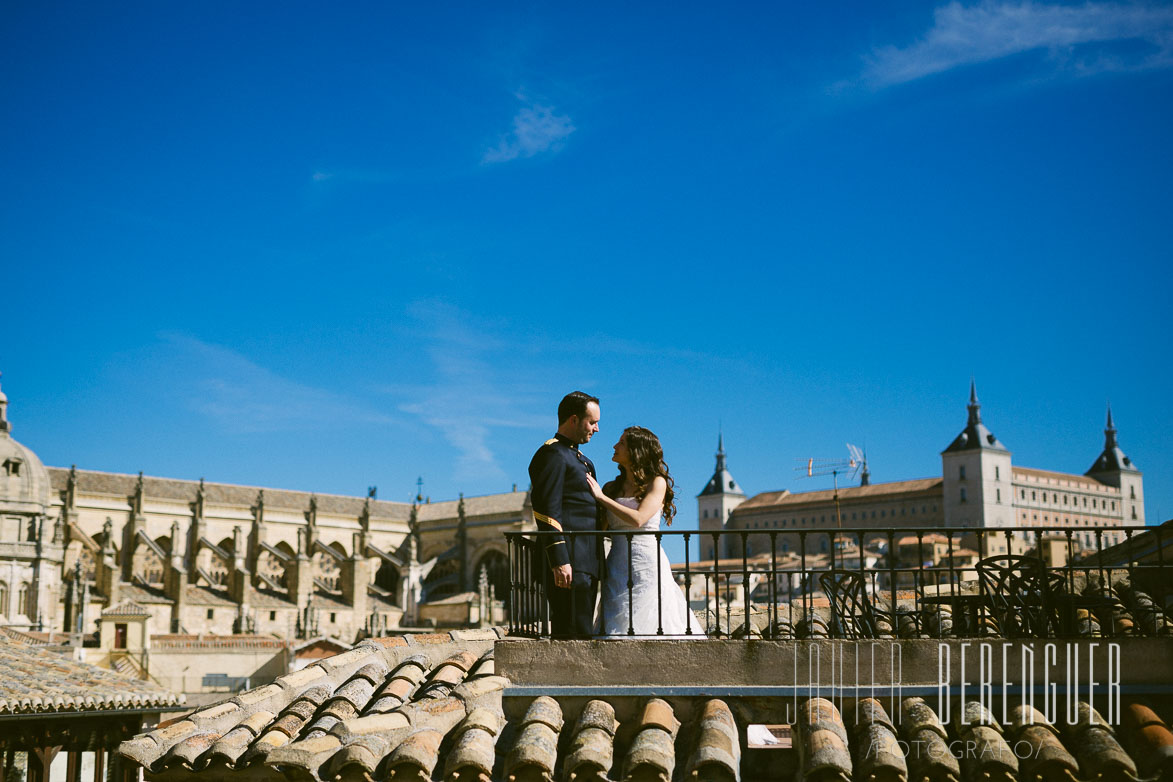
column 1109, row 430
column 4, row 425
column 974, row 406
column 721, row 482
column 1112, row 458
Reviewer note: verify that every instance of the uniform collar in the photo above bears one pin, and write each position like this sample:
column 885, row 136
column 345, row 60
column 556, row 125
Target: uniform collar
column 565, row 441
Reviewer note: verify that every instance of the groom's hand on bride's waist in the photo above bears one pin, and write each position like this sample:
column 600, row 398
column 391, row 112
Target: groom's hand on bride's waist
column 562, row 575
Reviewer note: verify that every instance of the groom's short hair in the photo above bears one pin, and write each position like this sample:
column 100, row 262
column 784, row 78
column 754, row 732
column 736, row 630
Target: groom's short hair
column 574, row 403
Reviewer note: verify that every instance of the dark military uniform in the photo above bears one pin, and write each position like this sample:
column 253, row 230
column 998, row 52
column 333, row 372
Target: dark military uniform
column 562, row 500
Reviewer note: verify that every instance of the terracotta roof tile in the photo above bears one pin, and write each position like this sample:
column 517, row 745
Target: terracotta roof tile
column 143, row 595
column 1081, row 480
column 400, row 711
column 206, row 596
column 126, row 608
column 487, row 505
column 185, row 641
column 341, row 712
column 35, row 680
column 772, row 500
column 123, row 485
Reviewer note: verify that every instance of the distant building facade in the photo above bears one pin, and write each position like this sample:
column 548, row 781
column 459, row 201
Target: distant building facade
column 215, row 558
column 979, row 488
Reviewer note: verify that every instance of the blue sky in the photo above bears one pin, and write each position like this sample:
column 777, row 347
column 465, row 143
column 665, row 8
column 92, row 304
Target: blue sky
column 327, row 248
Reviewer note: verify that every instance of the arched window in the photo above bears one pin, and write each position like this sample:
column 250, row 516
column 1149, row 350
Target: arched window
column 387, row 578
column 22, row 600
column 3, row 598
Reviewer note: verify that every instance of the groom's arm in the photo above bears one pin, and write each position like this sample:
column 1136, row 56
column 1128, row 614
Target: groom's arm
column 547, row 473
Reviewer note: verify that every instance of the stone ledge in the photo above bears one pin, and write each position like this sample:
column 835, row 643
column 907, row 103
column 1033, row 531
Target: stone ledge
column 669, row 663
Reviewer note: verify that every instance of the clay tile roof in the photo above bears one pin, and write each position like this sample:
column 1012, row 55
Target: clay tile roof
column 36, row 680
column 143, row 595
column 431, row 708
column 206, row 596
column 925, row 539
column 31, row 637
column 268, row 598
column 785, row 500
column 188, row 642
column 123, row 485
column 388, row 699
column 487, row 505
column 328, row 602
column 126, row 608
column 1079, row 480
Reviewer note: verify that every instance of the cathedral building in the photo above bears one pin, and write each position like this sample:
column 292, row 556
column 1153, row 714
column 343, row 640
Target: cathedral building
column 979, row 488
column 214, row 558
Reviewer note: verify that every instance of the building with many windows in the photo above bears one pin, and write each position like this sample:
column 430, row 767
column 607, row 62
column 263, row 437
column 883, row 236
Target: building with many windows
column 214, row 558
column 979, row 488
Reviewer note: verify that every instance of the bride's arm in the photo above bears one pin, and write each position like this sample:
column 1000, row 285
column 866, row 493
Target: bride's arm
column 652, row 504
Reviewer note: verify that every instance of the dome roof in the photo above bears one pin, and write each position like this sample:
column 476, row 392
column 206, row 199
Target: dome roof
column 24, row 481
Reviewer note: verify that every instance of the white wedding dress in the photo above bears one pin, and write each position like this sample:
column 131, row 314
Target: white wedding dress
column 657, row 602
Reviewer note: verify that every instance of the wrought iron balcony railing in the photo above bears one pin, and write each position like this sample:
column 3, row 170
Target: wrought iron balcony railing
column 1016, row 582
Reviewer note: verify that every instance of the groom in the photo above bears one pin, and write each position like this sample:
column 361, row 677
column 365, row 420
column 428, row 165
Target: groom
column 562, row 501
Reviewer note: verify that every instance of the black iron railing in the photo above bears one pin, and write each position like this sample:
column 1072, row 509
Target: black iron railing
column 882, row 583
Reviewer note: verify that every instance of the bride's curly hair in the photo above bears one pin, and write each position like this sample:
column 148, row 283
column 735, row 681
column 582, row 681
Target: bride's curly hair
column 647, row 461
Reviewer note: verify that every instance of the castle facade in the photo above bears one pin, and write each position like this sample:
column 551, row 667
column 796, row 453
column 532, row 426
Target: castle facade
column 979, row 488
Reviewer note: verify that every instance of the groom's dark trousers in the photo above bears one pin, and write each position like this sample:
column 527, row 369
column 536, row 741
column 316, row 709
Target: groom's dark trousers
column 562, row 502
column 572, row 611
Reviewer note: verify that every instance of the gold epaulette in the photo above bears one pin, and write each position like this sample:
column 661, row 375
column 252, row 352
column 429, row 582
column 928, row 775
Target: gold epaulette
column 551, row 441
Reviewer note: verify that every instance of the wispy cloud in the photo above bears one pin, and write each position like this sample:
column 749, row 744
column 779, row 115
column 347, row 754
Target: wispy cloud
column 1087, row 38
column 240, row 396
column 472, row 395
column 536, row 128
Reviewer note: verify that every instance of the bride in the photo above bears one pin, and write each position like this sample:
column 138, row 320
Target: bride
column 639, row 498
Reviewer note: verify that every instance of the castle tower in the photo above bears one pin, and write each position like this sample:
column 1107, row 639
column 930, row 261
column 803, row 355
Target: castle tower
column 716, row 501
column 978, row 486
column 1115, row 469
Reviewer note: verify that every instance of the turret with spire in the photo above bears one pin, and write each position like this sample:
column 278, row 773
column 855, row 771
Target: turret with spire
column 717, row 500
column 977, row 474
column 1113, row 468
column 722, row 481
column 975, row 436
column 1111, row 458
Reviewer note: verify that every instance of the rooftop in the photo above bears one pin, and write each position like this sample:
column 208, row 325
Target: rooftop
column 437, row 707
column 772, row 500
column 1081, row 480
column 36, row 680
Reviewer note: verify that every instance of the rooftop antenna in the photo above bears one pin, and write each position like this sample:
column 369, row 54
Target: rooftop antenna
column 861, row 455
column 816, row 467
